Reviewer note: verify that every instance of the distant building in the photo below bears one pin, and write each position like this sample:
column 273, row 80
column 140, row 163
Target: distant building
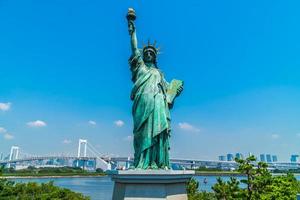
column 274, row 158
column 230, row 157
column 6, row 157
column 222, row 158
column 262, row 158
column 294, row 158
column 268, row 158
column 239, row 156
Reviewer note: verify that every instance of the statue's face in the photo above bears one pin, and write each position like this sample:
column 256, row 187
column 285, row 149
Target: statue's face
column 149, row 57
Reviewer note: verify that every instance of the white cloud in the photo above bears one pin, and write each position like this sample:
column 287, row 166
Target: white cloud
column 5, row 106
column 66, row 141
column 8, row 136
column 275, row 136
column 2, row 130
column 188, row 127
column 37, row 123
column 128, row 138
column 119, row 123
column 93, row 123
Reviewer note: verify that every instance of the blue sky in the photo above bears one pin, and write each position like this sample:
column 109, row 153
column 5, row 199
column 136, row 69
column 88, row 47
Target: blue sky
column 64, row 67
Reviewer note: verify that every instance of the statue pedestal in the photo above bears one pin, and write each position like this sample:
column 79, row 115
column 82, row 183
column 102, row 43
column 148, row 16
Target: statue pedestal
column 151, row 184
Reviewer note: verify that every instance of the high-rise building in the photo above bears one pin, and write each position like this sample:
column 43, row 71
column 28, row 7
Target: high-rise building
column 222, row 158
column 1, row 156
column 262, row 157
column 274, row 158
column 294, row 158
column 269, row 158
column 230, row 157
column 239, row 155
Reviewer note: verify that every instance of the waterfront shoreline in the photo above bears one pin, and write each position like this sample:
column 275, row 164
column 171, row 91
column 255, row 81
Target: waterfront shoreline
column 84, row 176
column 197, row 173
column 217, row 173
column 45, row 177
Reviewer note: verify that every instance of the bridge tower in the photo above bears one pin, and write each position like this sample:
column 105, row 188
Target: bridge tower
column 82, row 142
column 14, row 153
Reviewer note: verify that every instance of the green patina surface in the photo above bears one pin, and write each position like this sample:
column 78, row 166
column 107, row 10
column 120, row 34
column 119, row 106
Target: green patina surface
column 152, row 97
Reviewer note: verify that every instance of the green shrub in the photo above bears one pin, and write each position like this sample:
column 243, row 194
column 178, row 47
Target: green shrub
column 259, row 185
column 194, row 194
column 27, row 191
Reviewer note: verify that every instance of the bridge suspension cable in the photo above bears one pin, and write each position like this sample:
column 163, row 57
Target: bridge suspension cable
column 102, row 163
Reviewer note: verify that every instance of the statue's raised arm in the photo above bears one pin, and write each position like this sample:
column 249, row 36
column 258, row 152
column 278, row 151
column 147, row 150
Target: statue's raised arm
column 132, row 31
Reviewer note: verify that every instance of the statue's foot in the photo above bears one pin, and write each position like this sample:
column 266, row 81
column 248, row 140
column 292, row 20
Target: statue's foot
column 153, row 166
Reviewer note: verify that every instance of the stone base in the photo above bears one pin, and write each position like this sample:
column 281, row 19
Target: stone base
column 151, row 184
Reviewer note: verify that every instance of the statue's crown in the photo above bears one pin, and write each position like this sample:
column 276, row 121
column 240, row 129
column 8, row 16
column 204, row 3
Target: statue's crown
column 151, row 47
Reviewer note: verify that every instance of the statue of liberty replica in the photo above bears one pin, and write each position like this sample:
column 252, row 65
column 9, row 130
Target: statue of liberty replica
column 152, row 97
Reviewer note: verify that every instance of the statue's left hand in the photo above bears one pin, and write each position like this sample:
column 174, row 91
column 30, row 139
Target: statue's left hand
column 179, row 90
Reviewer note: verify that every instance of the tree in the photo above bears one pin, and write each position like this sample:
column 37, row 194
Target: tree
column 227, row 190
column 258, row 178
column 194, row 194
column 99, row 170
column 1, row 170
column 192, row 187
column 27, row 191
column 45, row 191
column 259, row 182
column 282, row 188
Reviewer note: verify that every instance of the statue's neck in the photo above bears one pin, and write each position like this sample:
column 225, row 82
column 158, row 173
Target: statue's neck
column 150, row 64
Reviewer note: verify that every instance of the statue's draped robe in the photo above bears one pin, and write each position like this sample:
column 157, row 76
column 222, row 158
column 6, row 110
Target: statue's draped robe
column 151, row 116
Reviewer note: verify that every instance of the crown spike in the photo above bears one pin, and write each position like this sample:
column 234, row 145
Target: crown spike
column 154, row 43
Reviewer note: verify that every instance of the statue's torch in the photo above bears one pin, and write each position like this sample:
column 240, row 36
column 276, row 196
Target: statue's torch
column 131, row 14
column 131, row 17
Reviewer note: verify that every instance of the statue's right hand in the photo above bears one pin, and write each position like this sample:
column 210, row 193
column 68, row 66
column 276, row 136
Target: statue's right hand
column 131, row 27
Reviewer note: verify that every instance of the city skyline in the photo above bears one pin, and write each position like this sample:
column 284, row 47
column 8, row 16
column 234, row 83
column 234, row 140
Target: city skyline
column 240, row 66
